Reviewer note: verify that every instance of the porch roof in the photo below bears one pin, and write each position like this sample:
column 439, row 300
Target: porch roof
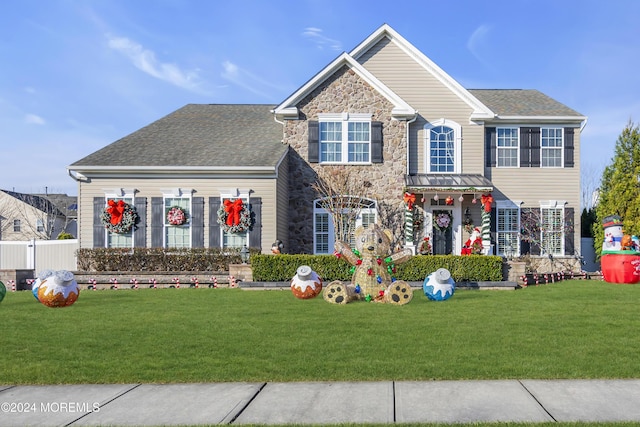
column 461, row 183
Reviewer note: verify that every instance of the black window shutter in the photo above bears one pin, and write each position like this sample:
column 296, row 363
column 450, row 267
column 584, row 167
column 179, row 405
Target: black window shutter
column 197, row 222
column 99, row 205
column 530, row 248
column 376, row 142
column 568, row 147
column 535, row 147
column 490, row 147
column 140, row 233
column 157, row 221
column 255, row 235
column 214, row 227
column 569, row 243
column 313, row 142
column 525, row 145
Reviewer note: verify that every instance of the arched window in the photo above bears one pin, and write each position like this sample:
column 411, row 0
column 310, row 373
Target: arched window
column 358, row 211
column 443, row 146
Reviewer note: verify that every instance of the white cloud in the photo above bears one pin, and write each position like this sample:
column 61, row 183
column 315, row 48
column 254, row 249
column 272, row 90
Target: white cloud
column 33, row 119
column 247, row 80
column 145, row 60
column 321, row 41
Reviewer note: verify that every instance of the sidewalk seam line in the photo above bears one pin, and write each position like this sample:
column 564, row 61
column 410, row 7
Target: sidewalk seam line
column 537, row 401
column 248, row 403
column 135, row 386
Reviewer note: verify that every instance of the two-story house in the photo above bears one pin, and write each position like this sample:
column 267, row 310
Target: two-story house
column 31, row 216
column 385, row 113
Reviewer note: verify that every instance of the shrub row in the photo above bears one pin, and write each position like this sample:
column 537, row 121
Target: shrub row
column 157, row 259
column 278, row 268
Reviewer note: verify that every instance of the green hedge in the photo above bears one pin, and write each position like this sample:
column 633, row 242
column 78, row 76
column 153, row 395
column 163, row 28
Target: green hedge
column 157, row 259
column 279, row 268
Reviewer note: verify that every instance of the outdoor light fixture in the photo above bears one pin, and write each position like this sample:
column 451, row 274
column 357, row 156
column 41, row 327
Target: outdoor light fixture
column 467, row 216
column 244, row 254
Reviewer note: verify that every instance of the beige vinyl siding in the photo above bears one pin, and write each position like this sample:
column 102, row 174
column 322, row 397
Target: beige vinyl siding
column 148, row 188
column 433, row 100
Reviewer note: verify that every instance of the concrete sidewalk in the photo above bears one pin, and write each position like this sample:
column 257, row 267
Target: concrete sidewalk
column 385, row 402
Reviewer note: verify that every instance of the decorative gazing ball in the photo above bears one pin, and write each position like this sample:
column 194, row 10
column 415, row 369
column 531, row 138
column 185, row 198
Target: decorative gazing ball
column 306, row 284
column 58, row 290
column 3, row 291
column 439, row 286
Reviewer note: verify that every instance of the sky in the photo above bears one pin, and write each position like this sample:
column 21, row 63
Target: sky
column 77, row 75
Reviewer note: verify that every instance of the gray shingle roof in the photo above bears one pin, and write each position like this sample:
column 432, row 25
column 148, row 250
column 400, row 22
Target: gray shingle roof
column 38, row 202
column 199, row 135
column 522, row 102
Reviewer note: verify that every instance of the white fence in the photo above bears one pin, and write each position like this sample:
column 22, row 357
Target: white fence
column 39, row 255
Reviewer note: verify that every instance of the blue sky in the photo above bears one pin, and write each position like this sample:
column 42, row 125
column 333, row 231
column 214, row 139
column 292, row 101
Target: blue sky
column 78, row 75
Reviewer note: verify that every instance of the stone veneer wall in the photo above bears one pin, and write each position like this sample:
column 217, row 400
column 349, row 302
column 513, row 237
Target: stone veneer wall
column 345, row 91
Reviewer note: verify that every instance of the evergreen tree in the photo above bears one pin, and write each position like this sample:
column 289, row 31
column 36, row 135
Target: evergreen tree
column 620, row 186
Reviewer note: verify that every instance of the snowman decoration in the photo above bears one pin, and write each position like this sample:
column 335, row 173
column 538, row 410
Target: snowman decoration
column 612, row 233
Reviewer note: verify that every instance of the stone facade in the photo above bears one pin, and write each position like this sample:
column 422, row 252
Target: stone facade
column 345, row 91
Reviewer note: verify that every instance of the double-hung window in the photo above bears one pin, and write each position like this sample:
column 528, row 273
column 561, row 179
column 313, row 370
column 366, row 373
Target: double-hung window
column 507, row 228
column 552, row 229
column 177, row 224
column 507, row 147
column 239, row 238
column 120, row 240
column 324, row 230
column 345, row 138
column 551, row 146
column 16, row 226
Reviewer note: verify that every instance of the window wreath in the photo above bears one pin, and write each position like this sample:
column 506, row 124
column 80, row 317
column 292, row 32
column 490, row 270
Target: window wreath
column 176, row 216
column 442, row 221
column 234, row 216
column 119, row 217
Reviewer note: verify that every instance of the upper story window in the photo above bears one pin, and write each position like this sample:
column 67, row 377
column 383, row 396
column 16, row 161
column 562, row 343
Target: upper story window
column 177, row 226
column 507, row 147
column 16, row 226
column 40, row 225
column 443, row 146
column 345, row 138
column 551, row 146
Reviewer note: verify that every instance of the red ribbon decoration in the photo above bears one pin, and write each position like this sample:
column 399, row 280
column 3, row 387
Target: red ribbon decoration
column 409, row 199
column 233, row 210
column 487, row 200
column 116, row 210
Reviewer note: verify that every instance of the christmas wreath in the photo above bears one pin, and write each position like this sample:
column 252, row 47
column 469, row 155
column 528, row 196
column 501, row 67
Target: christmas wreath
column 234, row 216
column 176, row 216
column 119, row 217
column 442, row 221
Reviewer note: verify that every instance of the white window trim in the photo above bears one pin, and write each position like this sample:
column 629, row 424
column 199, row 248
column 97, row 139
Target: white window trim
column 234, row 194
column 517, row 128
column 457, row 142
column 178, row 194
column 345, row 118
column 561, row 148
column 120, row 193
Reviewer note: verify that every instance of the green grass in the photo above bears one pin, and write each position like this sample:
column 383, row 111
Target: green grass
column 572, row 329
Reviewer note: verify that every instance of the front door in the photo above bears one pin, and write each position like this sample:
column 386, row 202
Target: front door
column 442, row 232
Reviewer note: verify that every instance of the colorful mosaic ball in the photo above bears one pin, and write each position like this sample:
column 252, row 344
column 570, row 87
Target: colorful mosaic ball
column 3, row 291
column 306, row 284
column 439, row 286
column 36, row 283
column 58, row 290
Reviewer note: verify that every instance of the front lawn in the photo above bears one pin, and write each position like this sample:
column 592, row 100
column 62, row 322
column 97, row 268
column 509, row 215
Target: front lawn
column 571, row 329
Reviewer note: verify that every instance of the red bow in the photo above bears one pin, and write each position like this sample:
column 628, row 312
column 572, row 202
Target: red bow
column 409, row 199
column 116, row 210
column 233, row 210
column 486, row 200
